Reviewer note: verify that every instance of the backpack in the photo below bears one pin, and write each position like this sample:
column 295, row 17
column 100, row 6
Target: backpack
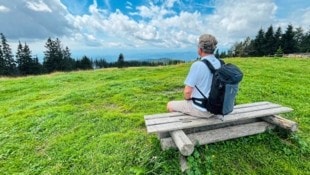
column 224, row 88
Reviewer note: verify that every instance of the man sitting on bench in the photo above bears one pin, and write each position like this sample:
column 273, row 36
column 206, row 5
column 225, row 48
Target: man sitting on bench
column 200, row 76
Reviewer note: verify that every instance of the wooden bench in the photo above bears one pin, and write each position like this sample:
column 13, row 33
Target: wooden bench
column 177, row 130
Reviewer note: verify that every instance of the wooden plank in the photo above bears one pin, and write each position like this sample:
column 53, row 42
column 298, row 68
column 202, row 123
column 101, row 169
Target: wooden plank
column 281, row 122
column 166, row 127
column 162, row 115
column 186, row 118
column 210, row 127
column 252, row 104
column 173, row 114
column 185, row 146
column 221, row 134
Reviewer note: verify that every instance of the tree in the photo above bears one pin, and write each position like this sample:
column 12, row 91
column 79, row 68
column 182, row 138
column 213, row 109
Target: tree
column 259, row 43
column 298, row 37
column 68, row 64
column 84, row 63
column 2, row 65
column 269, row 44
column 289, row 45
column 305, row 43
column 24, row 59
column 8, row 66
column 278, row 39
column 217, row 54
column 120, row 61
column 53, row 56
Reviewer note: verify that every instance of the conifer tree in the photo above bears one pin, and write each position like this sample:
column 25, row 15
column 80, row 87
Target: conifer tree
column 278, row 40
column 2, row 65
column 269, row 45
column 120, row 61
column 53, row 56
column 7, row 62
column 289, row 45
column 259, row 42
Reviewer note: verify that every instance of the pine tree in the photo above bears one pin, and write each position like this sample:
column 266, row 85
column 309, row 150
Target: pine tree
column 278, row 39
column 1, row 61
column 259, row 42
column 288, row 42
column 269, row 45
column 68, row 63
column 7, row 62
column 298, row 37
column 120, row 61
column 19, row 58
column 85, row 63
column 53, row 56
column 305, row 43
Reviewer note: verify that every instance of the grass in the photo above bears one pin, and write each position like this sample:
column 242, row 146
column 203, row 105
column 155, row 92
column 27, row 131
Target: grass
column 91, row 122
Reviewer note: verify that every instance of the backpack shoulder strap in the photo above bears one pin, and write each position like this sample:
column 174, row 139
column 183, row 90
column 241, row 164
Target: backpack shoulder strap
column 210, row 66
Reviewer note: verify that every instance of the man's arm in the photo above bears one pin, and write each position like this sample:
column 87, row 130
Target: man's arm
column 188, row 92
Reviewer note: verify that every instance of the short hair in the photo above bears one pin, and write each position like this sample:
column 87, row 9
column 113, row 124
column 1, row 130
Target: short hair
column 207, row 43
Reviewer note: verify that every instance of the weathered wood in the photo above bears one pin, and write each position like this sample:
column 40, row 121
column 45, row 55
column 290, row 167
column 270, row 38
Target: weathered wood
column 282, row 122
column 183, row 163
column 182, row 142
column 210, row 127
column 221, row 134
column 198, row 122
column 175, row 117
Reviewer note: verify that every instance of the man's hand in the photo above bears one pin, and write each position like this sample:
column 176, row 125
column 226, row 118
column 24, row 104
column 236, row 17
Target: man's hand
column 188, row 92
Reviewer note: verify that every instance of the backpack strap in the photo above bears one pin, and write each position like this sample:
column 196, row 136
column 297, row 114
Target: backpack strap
column 210, row 66
column 201, row 92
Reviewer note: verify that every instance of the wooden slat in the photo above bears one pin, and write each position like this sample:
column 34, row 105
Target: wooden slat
column 166, row 127
column 221, row 134
column 252, row 104
column 187, row 118
column 162, row 115
column 173, row 114
column 211, row 127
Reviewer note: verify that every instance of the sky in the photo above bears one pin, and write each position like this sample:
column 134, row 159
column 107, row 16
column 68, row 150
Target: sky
column 143, row 28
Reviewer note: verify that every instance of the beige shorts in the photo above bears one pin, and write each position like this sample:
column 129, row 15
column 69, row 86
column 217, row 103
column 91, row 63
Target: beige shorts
column 186, row 107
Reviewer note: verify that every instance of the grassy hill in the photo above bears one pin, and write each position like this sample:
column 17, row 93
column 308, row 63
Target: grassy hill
column 91, row 122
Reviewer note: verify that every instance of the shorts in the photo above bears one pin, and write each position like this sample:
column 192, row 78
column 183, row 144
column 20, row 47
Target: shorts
column 187, row 107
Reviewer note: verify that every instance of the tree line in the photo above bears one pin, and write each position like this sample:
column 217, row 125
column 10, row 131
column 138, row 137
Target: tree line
column 57, row 58
column 272, row 43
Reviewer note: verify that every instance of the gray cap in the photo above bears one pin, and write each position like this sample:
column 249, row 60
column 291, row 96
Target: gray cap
column 207, row 42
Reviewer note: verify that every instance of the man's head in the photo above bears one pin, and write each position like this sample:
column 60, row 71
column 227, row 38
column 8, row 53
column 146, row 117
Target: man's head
column 207, row 43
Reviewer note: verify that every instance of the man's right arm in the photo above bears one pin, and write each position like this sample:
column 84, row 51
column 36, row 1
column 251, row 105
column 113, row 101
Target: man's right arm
column 188, row 92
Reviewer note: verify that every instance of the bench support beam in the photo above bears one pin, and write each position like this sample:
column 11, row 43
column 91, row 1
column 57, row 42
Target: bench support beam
column 182, row 142
column 220, row 134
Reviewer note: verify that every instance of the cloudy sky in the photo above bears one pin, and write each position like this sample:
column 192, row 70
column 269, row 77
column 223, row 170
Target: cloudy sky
column 105, row 28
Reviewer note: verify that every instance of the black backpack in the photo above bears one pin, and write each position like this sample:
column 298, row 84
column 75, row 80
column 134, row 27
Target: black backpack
column 224, row 88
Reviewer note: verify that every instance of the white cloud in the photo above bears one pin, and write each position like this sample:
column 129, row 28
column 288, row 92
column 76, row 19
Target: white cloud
column 147, row 26
column 235, row 20
column 4, row 9
column 39, row 6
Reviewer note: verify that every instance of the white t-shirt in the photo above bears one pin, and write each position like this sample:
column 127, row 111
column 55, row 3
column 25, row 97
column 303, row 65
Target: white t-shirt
column 201, row 76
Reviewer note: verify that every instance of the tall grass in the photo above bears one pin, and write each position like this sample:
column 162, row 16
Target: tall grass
column 91, row 122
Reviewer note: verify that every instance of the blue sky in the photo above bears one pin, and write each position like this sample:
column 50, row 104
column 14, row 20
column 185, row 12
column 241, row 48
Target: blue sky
column 143, row 28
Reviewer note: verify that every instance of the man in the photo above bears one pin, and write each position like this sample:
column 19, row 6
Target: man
column 199, row 76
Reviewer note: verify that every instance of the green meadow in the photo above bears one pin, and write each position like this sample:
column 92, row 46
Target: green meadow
column 91, row 122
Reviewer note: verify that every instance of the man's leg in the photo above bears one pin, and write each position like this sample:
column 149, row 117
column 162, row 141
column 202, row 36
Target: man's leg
column 186, row 107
